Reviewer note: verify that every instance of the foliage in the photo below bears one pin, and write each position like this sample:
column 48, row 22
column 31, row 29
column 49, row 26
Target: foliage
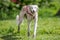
column 9, row 9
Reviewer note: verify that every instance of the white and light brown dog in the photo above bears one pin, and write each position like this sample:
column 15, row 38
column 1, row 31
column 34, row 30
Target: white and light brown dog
column 31, row 12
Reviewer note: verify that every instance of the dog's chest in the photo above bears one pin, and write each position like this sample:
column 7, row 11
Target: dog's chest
column 28, row 12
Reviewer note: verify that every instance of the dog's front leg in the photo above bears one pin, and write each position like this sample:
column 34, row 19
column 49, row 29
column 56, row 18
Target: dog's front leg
column 35, row 24
column 29, row 23
column 29, row 28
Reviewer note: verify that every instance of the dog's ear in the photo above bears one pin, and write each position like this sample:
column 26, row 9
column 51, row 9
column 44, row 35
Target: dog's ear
column 37, row 7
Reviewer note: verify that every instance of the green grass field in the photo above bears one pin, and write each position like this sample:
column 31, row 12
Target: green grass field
column 48, row 29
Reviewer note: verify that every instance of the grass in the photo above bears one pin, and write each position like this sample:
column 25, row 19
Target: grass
column 48, row 29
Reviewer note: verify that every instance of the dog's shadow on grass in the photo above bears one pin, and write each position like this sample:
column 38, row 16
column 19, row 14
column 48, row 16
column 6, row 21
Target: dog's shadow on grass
column 12, row 37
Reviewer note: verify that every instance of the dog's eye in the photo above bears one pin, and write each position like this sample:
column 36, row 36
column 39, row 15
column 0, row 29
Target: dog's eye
column 35, row 7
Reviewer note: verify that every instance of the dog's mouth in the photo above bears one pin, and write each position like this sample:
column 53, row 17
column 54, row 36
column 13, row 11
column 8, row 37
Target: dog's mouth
column 33, row 11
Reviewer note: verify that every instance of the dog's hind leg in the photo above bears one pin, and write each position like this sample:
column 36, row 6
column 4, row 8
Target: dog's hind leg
column 20, row 19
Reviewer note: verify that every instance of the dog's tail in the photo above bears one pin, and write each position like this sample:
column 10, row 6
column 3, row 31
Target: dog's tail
column 17, row 19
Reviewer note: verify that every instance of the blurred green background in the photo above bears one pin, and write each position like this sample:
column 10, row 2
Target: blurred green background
column 48, row 20
column 10, row 8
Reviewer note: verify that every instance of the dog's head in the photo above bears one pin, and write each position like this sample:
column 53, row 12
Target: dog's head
column 33, row 8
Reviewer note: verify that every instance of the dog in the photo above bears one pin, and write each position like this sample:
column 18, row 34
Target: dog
column 31, row 12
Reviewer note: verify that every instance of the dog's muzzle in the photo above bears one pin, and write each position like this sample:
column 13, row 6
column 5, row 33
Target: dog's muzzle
column 33, row 11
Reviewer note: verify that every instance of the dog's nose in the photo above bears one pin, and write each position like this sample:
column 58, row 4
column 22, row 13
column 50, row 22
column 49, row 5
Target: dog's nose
column 33, row 11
